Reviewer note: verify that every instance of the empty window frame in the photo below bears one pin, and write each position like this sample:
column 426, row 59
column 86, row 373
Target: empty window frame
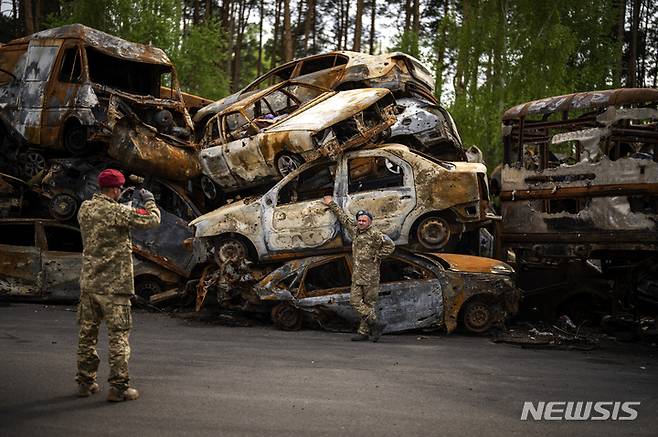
column 327, row 276
column 62, row 239
column 311, row 184
column 373, row 173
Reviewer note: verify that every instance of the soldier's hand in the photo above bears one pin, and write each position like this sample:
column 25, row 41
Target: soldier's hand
column 327, row 200
column 146, row 195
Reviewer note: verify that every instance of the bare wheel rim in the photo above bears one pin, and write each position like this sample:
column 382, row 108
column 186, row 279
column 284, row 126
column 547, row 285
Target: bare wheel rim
column 34, row 164
column 63, row 206
column 434, row 232
column 286, row 317
column 231, row 249
column 477, row 317
column 147, row 288
column 208, row 187
column 286, row 164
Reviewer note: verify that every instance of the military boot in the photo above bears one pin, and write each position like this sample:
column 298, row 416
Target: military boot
column 376, row 329
column 116, row 395
column 84, row 390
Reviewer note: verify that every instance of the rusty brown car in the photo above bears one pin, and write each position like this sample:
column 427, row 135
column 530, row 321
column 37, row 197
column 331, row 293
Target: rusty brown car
column 269, row 134
column 415, row 199
column 66, row 89
column 580, row 196
column 418, row 291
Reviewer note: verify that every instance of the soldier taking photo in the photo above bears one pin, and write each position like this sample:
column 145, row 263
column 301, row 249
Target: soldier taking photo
column 369, row 246
column 106, row 281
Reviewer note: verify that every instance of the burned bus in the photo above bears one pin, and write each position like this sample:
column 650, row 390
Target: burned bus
column 579, row 198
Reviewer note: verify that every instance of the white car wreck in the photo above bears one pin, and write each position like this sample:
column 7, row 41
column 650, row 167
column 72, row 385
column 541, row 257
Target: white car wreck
column 264, row 137
column 415, row 199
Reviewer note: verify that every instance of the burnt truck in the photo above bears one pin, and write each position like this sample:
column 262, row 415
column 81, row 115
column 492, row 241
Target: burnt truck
column 65, row 90
column 579, row 199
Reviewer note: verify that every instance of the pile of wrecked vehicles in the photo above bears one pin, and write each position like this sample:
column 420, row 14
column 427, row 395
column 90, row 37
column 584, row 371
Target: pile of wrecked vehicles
column 239, row 183
column 579, row 203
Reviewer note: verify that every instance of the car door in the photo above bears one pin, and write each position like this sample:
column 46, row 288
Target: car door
column 410, row 296
column 294, row 217
column 62, row 92
column 61, row 261
column 20, row 259
column 164, row 244
column 381, row 183
column 41, row 56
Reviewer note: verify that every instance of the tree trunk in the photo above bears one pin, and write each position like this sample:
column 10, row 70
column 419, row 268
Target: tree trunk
column 259, row 66
column 357, row 26
column 275, row 37
column 197, row 11
column 619, row 62
column 632, row 61
column 347, row 22
column 27, row 15
column 407, row 16
column 416, row 17
column 38, row 15
column 208, row 14
column 287, row 34
column 373, row 14
column 439, row 64
column 308, row 22
column 339, row 36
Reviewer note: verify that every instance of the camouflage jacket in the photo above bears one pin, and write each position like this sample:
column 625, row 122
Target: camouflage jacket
column 368, row 248
column 107, row 265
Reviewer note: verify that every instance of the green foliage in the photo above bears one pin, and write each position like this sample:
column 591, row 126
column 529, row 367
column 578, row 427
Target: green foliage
column 202, row 61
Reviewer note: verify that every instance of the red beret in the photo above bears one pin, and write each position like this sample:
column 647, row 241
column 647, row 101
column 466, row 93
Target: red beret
column 111, row 178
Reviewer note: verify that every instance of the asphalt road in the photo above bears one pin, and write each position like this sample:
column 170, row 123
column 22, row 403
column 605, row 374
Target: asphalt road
column 201, row 379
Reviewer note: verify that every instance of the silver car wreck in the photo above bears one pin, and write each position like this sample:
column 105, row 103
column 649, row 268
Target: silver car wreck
column 418, row 291
column 68, row 88
column 415, row 199
column 266, row 136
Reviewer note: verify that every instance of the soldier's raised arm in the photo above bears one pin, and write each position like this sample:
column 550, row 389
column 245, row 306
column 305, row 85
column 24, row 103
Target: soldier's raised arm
column 344, row 219
column 145, row 217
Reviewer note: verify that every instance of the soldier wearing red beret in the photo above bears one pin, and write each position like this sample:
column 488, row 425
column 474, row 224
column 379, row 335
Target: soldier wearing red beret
column 106, row 282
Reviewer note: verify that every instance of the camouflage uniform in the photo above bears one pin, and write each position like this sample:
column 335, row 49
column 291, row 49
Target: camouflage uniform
column 368, row 248
column 106, row 283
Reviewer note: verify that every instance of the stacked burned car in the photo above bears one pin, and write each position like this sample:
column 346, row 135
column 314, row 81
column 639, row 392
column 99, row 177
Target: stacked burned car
column 246, row 178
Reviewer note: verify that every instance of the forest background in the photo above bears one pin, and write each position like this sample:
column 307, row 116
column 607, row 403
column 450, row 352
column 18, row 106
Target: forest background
column 486, row 55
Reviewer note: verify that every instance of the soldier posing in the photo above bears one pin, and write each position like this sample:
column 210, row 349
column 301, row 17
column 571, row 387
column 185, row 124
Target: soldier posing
column 106, row 281
column 369, row 246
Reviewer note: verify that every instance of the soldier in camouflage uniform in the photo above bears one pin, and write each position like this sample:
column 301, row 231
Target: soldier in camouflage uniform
column 369, row 246
column 106, row 281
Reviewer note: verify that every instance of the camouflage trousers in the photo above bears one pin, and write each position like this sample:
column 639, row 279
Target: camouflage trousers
column 115, row 310
column 363, row 299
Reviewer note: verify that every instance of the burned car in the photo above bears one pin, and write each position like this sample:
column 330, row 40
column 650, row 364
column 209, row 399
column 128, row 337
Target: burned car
column 69, row 88
column 418, row 291
column 422, row 123
column 415, row 199
column 580, row 187
column 41, row 259
column 266, row 136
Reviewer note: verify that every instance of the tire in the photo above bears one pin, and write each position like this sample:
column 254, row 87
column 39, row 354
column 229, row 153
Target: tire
column 286, row 317
column 146, row 287
column 229, row 247
column 477, row 316
column 32, row 163
column 435, row 233
column 286, row 163
column 75, row 139
column 63, row 207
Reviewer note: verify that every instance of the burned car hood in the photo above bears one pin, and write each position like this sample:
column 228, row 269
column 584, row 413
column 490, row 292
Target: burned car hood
column 240, row 216
column 329, row 111
column 472, row 264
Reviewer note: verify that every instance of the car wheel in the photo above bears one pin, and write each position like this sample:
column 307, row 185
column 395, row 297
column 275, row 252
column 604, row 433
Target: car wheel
column 75, row 139
column 208, row 187
column 286, row 317
column 63, row 207
column 478, row 316
column 230, row 248
column 32, row 163
column 147, row 287
column 434, row 233
column 286, row 163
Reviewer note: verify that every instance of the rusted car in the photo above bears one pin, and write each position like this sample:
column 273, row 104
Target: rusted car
column 269, row 134
column 69, row 88
column 418, row 291
column 41, row 259
column 339, row 70
column 422, row 123
column 579, row 186
column 415, row 199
